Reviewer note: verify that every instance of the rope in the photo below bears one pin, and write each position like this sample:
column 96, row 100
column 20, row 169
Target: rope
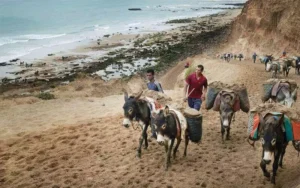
column 135, row 127
column 252, row 144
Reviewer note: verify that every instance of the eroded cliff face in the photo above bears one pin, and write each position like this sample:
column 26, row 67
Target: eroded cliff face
column 267, row 26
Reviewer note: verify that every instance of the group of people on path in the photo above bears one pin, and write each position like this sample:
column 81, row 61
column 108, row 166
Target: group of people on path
column 194, row 89
column 228, row 56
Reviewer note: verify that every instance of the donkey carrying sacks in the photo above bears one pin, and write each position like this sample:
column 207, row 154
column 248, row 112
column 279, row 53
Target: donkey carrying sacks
column 236, row 101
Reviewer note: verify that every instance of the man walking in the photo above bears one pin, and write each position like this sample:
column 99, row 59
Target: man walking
column 152, row 84
column 254, row 57
column 195, row 88
column 155, row 86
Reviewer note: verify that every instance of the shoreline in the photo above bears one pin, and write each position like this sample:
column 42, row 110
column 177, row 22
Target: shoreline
column 133, row 52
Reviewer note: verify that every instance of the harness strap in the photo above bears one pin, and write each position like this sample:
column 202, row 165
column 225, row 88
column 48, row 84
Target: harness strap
column 178, row 136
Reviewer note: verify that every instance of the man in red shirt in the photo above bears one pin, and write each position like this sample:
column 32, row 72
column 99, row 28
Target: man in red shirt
column 196, row 85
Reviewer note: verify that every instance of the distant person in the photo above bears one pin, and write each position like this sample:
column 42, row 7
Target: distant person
column 235, row 56
column 283, row 55
column 152, row 84
column 228, row 57
column 195, row 88
column 187, row 65
column 254, row 57
column 240, row 57
column 267, row 59
column 225, row 57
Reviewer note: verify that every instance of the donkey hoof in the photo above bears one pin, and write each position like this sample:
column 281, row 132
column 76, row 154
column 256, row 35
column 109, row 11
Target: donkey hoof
column 167, row 166
column 267, row 174
column 138, row 155
column 273, row 180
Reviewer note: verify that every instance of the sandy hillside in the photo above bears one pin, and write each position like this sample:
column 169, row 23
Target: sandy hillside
column 79, row 142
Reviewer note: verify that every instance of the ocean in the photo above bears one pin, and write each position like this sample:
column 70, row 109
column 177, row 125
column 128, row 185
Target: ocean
column 30, row 25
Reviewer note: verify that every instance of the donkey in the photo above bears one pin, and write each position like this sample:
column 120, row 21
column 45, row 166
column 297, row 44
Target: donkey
column 138, row 110
column 266, row 60
column 273, row 143
column 227, row 112
column 296, row 65
column 284, row 95
column 286, row 67
column 274, row 69
column 168, row 126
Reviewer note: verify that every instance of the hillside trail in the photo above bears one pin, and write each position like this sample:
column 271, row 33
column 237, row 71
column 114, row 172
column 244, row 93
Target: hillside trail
column 79, row 142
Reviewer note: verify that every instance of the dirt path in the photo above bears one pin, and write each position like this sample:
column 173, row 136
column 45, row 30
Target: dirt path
column 97, row 152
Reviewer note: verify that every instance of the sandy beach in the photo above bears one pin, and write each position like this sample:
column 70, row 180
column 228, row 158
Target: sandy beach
column 77, row 139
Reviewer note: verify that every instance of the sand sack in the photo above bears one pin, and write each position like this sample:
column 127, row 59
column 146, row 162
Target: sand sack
column 211, row 95
column 215, row 87
column 235, row 103
column 263, row 109
column 268, row 85
column 194, row 121
column 158, row 96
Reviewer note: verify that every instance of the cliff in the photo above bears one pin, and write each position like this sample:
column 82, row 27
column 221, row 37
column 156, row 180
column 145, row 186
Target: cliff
column 267, row 26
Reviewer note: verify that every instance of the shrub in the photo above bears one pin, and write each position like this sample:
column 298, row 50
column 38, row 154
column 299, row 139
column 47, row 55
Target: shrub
column 189, row 71
column 45, row 96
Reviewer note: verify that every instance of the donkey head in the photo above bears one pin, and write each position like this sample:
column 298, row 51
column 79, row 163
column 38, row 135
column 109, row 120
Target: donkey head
column 163, row 122
column 271, row 131
column 131, row 108
column 226, row 109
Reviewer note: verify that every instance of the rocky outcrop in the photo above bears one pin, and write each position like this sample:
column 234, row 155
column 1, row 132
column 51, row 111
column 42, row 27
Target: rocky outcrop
column 267, row 26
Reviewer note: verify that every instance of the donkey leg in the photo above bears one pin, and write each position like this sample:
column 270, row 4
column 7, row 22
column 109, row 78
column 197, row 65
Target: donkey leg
column 139, row 150
column 166, row 146
column 186, row 144
column 168, row 157
column 282, row 154
column 263, row 166
column 275, row 166
column 176, row 147
column 228, row 133
column 223, row 132
column 146, row 136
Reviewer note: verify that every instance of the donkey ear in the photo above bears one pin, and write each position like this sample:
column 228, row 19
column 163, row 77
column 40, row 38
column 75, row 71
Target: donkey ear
column 166, row 111
column 261, row 123
column 125, row 94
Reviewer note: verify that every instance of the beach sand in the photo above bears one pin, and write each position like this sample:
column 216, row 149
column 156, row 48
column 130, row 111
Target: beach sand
column 77, row 140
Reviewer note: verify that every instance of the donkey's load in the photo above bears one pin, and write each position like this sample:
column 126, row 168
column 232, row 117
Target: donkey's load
column 194, row 121
column 272, row 86
column 239, row 90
